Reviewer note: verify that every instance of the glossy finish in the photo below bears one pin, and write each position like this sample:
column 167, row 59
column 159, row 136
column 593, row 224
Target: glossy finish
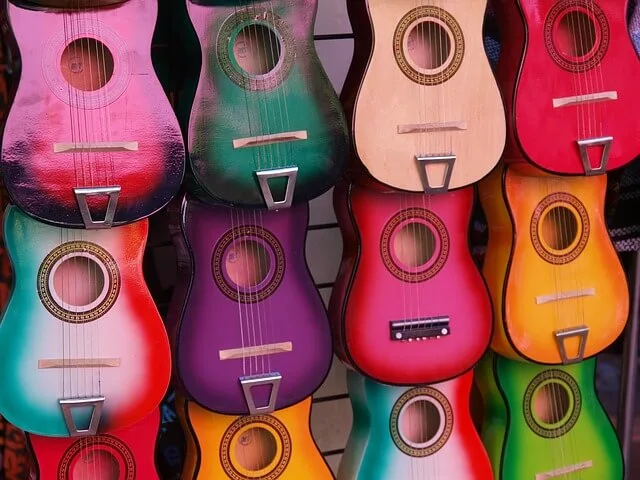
column 130, row 330
column 390, row 88
column 372, row 290
column 510, row 440
column 295, row 95
column 124, row 455
column 284, row 307
column 131, row 107
column 518, row 275
column 191, row 457
column 295, row 457
column 531, row 78
column 461, row 457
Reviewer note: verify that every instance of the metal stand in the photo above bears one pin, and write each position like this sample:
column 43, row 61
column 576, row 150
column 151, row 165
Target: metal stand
column 629, row 374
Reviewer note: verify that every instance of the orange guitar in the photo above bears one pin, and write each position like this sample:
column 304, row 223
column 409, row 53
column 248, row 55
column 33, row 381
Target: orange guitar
column 559, row 291
column 267, row 447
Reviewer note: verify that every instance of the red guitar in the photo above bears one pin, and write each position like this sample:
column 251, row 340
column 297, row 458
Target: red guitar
column 409, row 305
column 569, row 74
column 128, row 454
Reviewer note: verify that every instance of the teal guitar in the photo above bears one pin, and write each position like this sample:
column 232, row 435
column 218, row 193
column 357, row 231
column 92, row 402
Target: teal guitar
column 544, row 423
column 264, row 127
column 413, row 433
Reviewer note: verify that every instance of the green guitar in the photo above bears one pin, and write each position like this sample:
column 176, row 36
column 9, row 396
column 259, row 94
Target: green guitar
column 263, row 125
column 545, row 423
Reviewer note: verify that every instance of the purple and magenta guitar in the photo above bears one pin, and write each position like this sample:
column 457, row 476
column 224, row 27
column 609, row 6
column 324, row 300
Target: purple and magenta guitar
column 250, row 333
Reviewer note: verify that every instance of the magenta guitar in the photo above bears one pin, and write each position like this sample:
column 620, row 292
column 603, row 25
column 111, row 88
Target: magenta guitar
column 249, row 331
column 91, row 139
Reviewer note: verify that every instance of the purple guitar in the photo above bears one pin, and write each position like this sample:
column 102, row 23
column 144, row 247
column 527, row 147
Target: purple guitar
column 250, row 333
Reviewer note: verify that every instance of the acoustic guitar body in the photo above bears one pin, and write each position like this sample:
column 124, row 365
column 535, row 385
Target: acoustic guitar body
column 558, row 288
column 395, row 309
column 81, row 336
column 571, row 99
column 90, row 125
column 428, row 115
column 127, row 454
column 422, row 431
column 191, row 457
column 552, row 411
column 263, row 109
column 269, row 447
column 253, row 319
column 351, row 461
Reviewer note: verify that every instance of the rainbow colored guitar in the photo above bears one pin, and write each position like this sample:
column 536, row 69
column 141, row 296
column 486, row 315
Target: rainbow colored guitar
column 127, row 454
column 91, row 139
column 265, row 128
column 395, row 307
column 250, row 334
column 568, row 71
column 559, row 291
column 413, row 432
column 553, row 413
column 82, row 346
column 276, row 446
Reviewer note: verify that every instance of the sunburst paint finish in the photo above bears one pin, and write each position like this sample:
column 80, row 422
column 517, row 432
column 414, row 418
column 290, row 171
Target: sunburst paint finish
column 582, row 445
column 406, row 259
column 568, row 73
column 285, row 91
column 122, row 327
column 251, row 307
column 67, row 128
column 414, row 432
column 127, row 454
column 550, row 261
column 266, row 447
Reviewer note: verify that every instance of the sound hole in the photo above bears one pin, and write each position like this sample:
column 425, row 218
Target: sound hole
column 428, row 45
column 78, row 281
column 256, row 449
column 414, row 244
column 559, row 228
column 87, row 64
column 420, row 422
column 576, row 34
column 247, row 263
column 551, row 403
column 96, row 464
column 257, row 49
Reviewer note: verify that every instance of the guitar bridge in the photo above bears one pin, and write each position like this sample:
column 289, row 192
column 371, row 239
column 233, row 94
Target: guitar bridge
column 420, row 329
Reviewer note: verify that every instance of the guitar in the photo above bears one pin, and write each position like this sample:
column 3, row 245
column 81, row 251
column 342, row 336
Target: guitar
column 252, row 334
column 90, row 127
column 395, row 315
column 560, row 69
column 190, row 456
column 82, row 345
column 276, row 446
column 127, row 454
column 425, row 110
column 559, row 290
column 552, row 411
column 264, row 127
column 351, row 461
column 415, row 432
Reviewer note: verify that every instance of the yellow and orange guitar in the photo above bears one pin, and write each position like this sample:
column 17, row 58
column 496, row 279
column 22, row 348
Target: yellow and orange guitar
column 558, row 288
column 267, row 447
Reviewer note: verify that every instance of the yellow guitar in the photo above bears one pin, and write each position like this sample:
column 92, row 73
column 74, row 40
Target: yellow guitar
column 190, row 465
column 266, row 447
column 559, row 291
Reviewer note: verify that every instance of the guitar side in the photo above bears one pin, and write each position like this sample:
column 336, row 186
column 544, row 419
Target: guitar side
column 123, row 455
column 351, row 461
column 123, row 334
column 235, row 115
column 279, row 445
column 453, row 448
column 428, row 111
column 583, row 441
column 62, row 134
column 231, row 330
column 412, row 249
